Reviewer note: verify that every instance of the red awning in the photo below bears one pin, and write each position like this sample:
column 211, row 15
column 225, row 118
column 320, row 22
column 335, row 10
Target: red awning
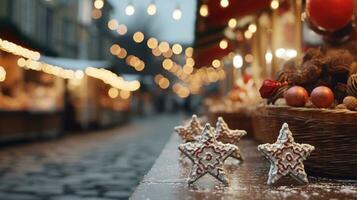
column 219, row 16
column 209, row 30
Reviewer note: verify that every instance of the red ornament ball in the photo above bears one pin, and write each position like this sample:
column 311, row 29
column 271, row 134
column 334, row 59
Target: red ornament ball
column 296, row 96
column 330, row 15
column 322, row 97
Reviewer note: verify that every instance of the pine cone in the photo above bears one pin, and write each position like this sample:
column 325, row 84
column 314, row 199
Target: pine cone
column 352, row 85
column 287, row 72
column 313, row 53
column 353, row 68
column 339, row 61
column 309, row 72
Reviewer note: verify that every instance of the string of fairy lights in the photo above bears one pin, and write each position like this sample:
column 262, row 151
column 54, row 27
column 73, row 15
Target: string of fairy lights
column 232, row 24
column 224, row 44
column 192, row 79
column 29, row 60
column 130, row 10
column 2, row 74
column 157, row 48
column 18, row 50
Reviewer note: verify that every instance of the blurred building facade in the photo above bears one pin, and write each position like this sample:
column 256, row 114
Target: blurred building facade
column 62, row 28
column 58, row 30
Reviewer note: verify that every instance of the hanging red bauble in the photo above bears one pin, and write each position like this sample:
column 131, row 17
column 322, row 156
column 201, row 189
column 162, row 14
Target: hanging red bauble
column 322, row 97
column 296, row 96
column 330, row 15
column 269, row 88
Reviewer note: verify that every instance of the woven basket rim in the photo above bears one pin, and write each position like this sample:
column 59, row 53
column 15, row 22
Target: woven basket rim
column 316, row 110
column 238, row 109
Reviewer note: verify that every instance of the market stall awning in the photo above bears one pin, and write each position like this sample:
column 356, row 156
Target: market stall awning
column 210, row 29
column 74, row 64
column 219, row 16
column 93, row 68
column 205, row 56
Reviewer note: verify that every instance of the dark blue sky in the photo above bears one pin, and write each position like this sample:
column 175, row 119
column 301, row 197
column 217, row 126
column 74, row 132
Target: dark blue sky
column 161, row 25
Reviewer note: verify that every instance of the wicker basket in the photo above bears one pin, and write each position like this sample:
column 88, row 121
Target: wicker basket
column 238, row 119
column 332, row 132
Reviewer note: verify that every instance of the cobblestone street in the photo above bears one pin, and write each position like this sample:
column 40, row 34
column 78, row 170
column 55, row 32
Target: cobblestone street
column 102, row 165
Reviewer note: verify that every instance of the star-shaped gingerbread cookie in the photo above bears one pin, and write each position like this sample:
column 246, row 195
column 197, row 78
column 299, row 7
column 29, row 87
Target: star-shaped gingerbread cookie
column 228, row 136
column 286, row 157
column 207, row 155
column 190, row 131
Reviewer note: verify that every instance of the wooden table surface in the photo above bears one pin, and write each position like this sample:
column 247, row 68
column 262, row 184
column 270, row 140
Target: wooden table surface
column 167, row 180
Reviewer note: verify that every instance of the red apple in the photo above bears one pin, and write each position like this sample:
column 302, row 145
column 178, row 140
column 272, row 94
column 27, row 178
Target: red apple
column 330, row 15
column 322, row 97
column 296, row 96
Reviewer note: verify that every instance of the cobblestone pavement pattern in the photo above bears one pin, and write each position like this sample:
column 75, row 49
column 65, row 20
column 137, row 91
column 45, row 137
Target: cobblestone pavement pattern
column 99, row 165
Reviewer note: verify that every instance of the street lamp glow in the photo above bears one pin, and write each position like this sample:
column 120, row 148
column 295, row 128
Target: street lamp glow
column 216, row 63
column 190, row 62
column 124, row 94
column 268, row 57
column 122, row 29
column 248, row 34
column 285, row 54
column 152, row 43
column 274, row 4
column 113, row 93
column 291, row 53
column 130, row 9
column 232, row 23
column 122, row 53
column 78, row 74
column 187, row 69
column 177, row 49
column 252, row 28
column 152, row 9
column 248, row 58
column 113, row 24
column 156, row 52
column 204, row 10
column 115, row 49
column 2, row 74
column 177, row 14
column 223, row 44
column 96, row 14
column 224, row 3
column 138, row 37
column 167, row 64
column 98, row 4
column 189, row 52
column 164, row 46
column 237, row 61
column 280, row 53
